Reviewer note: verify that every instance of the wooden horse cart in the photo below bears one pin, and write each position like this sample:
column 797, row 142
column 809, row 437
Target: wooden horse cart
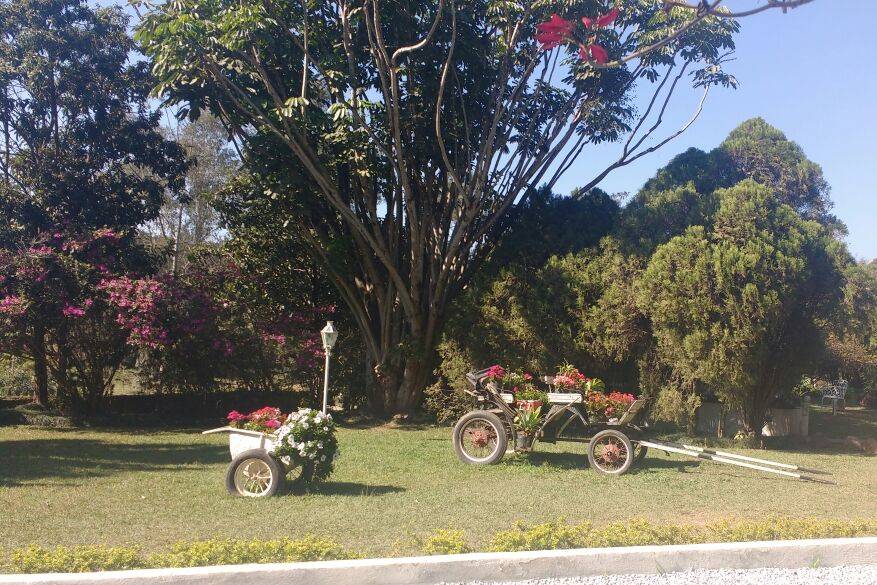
column 482, row 436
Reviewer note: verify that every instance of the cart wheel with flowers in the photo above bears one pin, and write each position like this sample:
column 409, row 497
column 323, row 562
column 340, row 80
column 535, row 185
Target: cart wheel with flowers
column 269, row 450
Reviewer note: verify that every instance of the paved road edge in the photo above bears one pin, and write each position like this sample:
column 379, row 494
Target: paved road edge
column 495, row 566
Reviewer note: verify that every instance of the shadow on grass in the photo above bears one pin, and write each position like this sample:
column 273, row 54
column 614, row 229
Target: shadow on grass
column 569, row 460
column 654, row 463
column 362, row 423
column 29, row 461
column 350, row 488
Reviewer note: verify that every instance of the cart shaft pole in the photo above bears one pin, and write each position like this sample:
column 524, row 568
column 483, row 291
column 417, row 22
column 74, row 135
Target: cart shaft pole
column 718, row 459
column 746, row 458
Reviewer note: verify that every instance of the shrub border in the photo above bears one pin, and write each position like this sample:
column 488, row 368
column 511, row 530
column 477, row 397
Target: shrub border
column 510, row 566
column 556, row 535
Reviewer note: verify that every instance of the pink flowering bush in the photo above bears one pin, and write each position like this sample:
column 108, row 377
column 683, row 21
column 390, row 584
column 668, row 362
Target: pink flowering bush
column 54, row 311
column 198, row 332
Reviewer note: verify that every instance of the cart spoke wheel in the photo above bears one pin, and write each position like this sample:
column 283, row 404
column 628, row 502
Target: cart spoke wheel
column 479, row 439
column 253, row 478
column 610, row 452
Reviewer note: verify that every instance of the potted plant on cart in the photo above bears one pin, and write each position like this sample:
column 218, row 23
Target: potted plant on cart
column 528, row 416
column 526, row 394
column 528, row 421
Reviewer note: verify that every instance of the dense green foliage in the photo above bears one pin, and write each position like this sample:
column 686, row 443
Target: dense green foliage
column 708, row 284
column 741, row 306
column 83, row 141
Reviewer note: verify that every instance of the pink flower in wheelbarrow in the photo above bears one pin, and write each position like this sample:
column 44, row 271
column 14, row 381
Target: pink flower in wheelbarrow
column 272, row 424
column 235, row 416
column 554, row 32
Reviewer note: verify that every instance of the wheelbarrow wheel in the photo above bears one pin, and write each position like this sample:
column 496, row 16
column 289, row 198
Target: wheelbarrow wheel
column 610, row 452
column 480, row 438
column 254, row 474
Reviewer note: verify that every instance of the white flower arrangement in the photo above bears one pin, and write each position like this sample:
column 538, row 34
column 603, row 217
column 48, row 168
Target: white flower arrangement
column 307, row 437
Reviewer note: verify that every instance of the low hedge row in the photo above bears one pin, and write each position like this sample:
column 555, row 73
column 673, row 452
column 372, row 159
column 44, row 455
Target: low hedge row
column 80, row 559
column 546, row 536
column 560, row 535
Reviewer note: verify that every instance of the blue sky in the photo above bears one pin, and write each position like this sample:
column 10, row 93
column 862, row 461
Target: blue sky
column 812, row 74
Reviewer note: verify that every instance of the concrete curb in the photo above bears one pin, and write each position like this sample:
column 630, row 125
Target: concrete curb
column 496, row 566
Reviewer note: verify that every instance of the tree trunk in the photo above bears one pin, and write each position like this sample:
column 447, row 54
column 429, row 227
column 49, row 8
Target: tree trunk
column 175, row 261
column 40, row 368
column 755, row 413
column 397, row 388
column 398, row 378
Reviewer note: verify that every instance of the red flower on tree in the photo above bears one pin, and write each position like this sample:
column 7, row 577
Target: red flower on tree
column 595, row 52
column 558, row 31
column 554, row 32
column 601, row 21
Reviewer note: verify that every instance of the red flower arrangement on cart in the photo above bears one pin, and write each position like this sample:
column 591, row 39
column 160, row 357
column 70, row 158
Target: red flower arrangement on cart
column 265, row 420
column 606, row 406
column 600, row 406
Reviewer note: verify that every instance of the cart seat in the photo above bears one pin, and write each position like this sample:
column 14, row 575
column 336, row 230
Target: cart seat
column 631, row 414
column 564, row 397
column 553, row 397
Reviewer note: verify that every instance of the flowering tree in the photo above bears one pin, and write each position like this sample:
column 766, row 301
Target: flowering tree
column 53, row 308
column 407, row 131
column 197, row 331
column 81, row 147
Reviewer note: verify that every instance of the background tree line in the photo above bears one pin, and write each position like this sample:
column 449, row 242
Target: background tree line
column 204, row 255
column 725, row 277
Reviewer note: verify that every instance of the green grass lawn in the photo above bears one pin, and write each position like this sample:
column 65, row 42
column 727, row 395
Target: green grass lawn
column 391, row 487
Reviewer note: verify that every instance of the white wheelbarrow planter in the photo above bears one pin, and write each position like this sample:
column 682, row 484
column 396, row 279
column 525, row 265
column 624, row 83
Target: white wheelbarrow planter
column 253, row 471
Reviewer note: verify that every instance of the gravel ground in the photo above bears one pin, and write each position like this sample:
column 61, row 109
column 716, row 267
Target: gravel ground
column 852, row 575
